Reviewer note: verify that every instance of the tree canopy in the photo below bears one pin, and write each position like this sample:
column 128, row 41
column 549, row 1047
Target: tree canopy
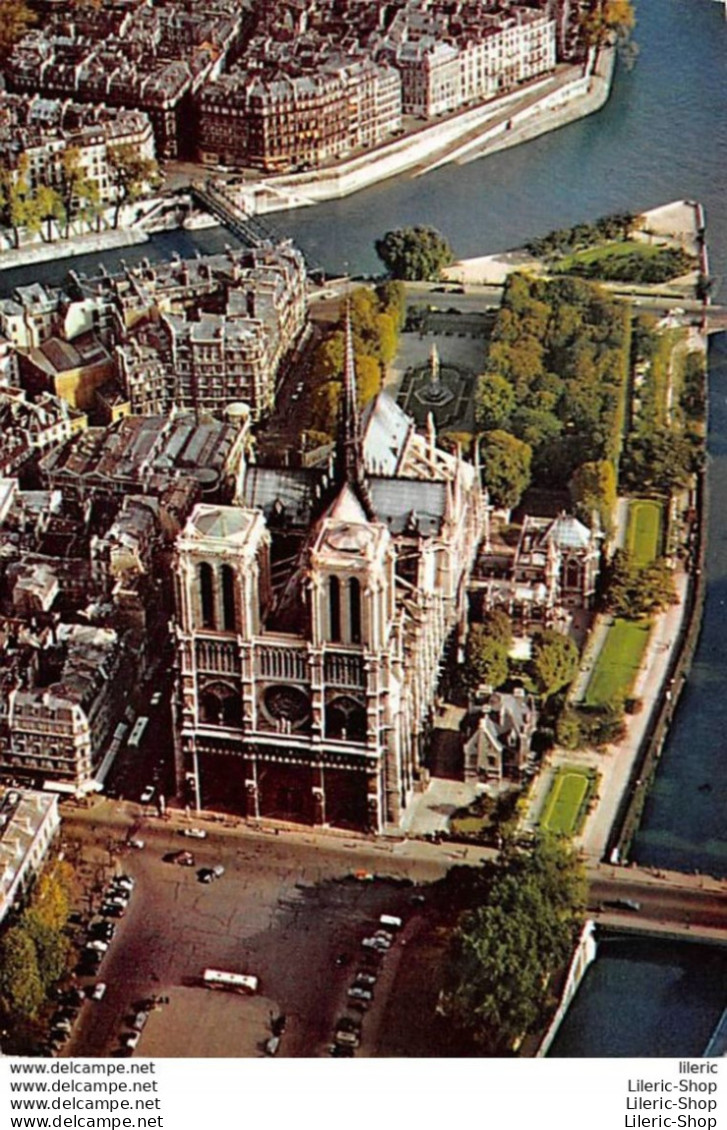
column 131, row 174
column 485, row 659
column 632, row 592
column 16, row 17
column 563, row 348
column 504, row 953
column 495, row 402
column 375, row 318
column 505, row 466
column 554, row 661
column 414, row 253
column 593, row 487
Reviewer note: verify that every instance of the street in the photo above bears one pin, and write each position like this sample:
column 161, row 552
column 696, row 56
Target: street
column 284, row 911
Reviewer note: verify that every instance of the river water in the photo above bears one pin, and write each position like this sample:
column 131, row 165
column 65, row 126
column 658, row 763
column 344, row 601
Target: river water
column 645, row 998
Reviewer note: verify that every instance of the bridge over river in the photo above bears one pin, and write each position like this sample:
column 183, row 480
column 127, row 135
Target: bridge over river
column 665, row 903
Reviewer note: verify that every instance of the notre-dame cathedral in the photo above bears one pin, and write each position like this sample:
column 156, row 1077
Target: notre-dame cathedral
column 311, row 620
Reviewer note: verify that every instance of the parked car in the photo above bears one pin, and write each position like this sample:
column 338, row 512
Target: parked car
column 128, row 882
column 99, row 991
column 71, row 996
column 115, row 899
column 113, row 910
column 209, row 874
column 622, row 904
column 347, row 1039
column 138, row 845
column 98, row 945
column 365, row 979
column 348, row 1024
column 130, row 1040
column 139, row 1021
column 195, row 833
column 358, row 993
column 184, row 858
column 103, row 930
column 272, row 1045
column 147, row 794
column 376, row 944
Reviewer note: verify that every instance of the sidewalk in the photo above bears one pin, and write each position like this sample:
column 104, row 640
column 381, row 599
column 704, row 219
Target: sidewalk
column 616, row 762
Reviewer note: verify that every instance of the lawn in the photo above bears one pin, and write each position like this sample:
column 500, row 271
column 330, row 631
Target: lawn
column 566, row 804
column 644, row 530
column 609, row 251
column 615, row 670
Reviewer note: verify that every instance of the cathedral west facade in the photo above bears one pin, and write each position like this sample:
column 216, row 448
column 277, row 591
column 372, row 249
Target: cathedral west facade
column 311, row 621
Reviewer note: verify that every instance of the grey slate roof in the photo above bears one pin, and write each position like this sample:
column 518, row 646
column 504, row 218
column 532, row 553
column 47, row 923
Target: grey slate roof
column 294, row 489
column 415, row 503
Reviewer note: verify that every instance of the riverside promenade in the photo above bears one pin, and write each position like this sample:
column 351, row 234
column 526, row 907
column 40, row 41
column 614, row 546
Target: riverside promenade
column 541, row 105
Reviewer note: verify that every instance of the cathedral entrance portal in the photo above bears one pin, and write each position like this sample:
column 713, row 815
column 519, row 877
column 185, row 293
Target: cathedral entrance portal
column 286, row 792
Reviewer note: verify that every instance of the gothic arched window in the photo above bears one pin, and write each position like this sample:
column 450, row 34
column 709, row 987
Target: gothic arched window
column 334, row 608
column 207, row 595
column 354, row 594
column 228, row 599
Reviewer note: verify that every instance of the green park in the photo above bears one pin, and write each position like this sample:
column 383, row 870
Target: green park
column 644, row 530
column 618, row 662
column 566, row 804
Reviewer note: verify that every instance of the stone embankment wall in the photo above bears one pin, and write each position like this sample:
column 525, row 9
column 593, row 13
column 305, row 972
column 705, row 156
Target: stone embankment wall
column 632, row 804
column 494, row 125
column 585, row 953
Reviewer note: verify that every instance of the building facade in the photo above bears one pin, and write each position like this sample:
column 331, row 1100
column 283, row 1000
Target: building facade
column 29, row 822
column 37, row 133
column 311, row 621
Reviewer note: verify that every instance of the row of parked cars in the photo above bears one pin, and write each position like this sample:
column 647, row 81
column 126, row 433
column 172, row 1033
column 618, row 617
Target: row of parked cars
column 99, row 935
column 360, row 993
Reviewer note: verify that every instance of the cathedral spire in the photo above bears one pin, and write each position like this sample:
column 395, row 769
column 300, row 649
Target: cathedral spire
column 350, row 438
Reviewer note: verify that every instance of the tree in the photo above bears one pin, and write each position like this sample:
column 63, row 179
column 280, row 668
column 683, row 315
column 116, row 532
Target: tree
column 505, row 466
column 368, row 378
column 485, row 659
column 494, row 402
column 651, row 590
column 15, row 197
column 659, row 461
column 21, row 990
column 593, row 487
column 606, row 17
column 131, row 175
column 504, row 953
column 414, row 253
column 392, row 300
column 51, row 948
column 15, row 19
column 79, row 193
column 329, row 357
column 498, row 626
column 386, row 340
column 621, row 584
column 48, row 208
column 554, row 661
column 52, row 895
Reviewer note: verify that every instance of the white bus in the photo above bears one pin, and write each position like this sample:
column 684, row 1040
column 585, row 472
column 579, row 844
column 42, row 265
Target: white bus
column 137, row 733
column 237, row 982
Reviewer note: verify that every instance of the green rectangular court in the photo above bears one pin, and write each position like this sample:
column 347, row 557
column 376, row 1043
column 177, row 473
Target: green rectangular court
column 644, row 530
column 566, row 803
column 617, row 665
